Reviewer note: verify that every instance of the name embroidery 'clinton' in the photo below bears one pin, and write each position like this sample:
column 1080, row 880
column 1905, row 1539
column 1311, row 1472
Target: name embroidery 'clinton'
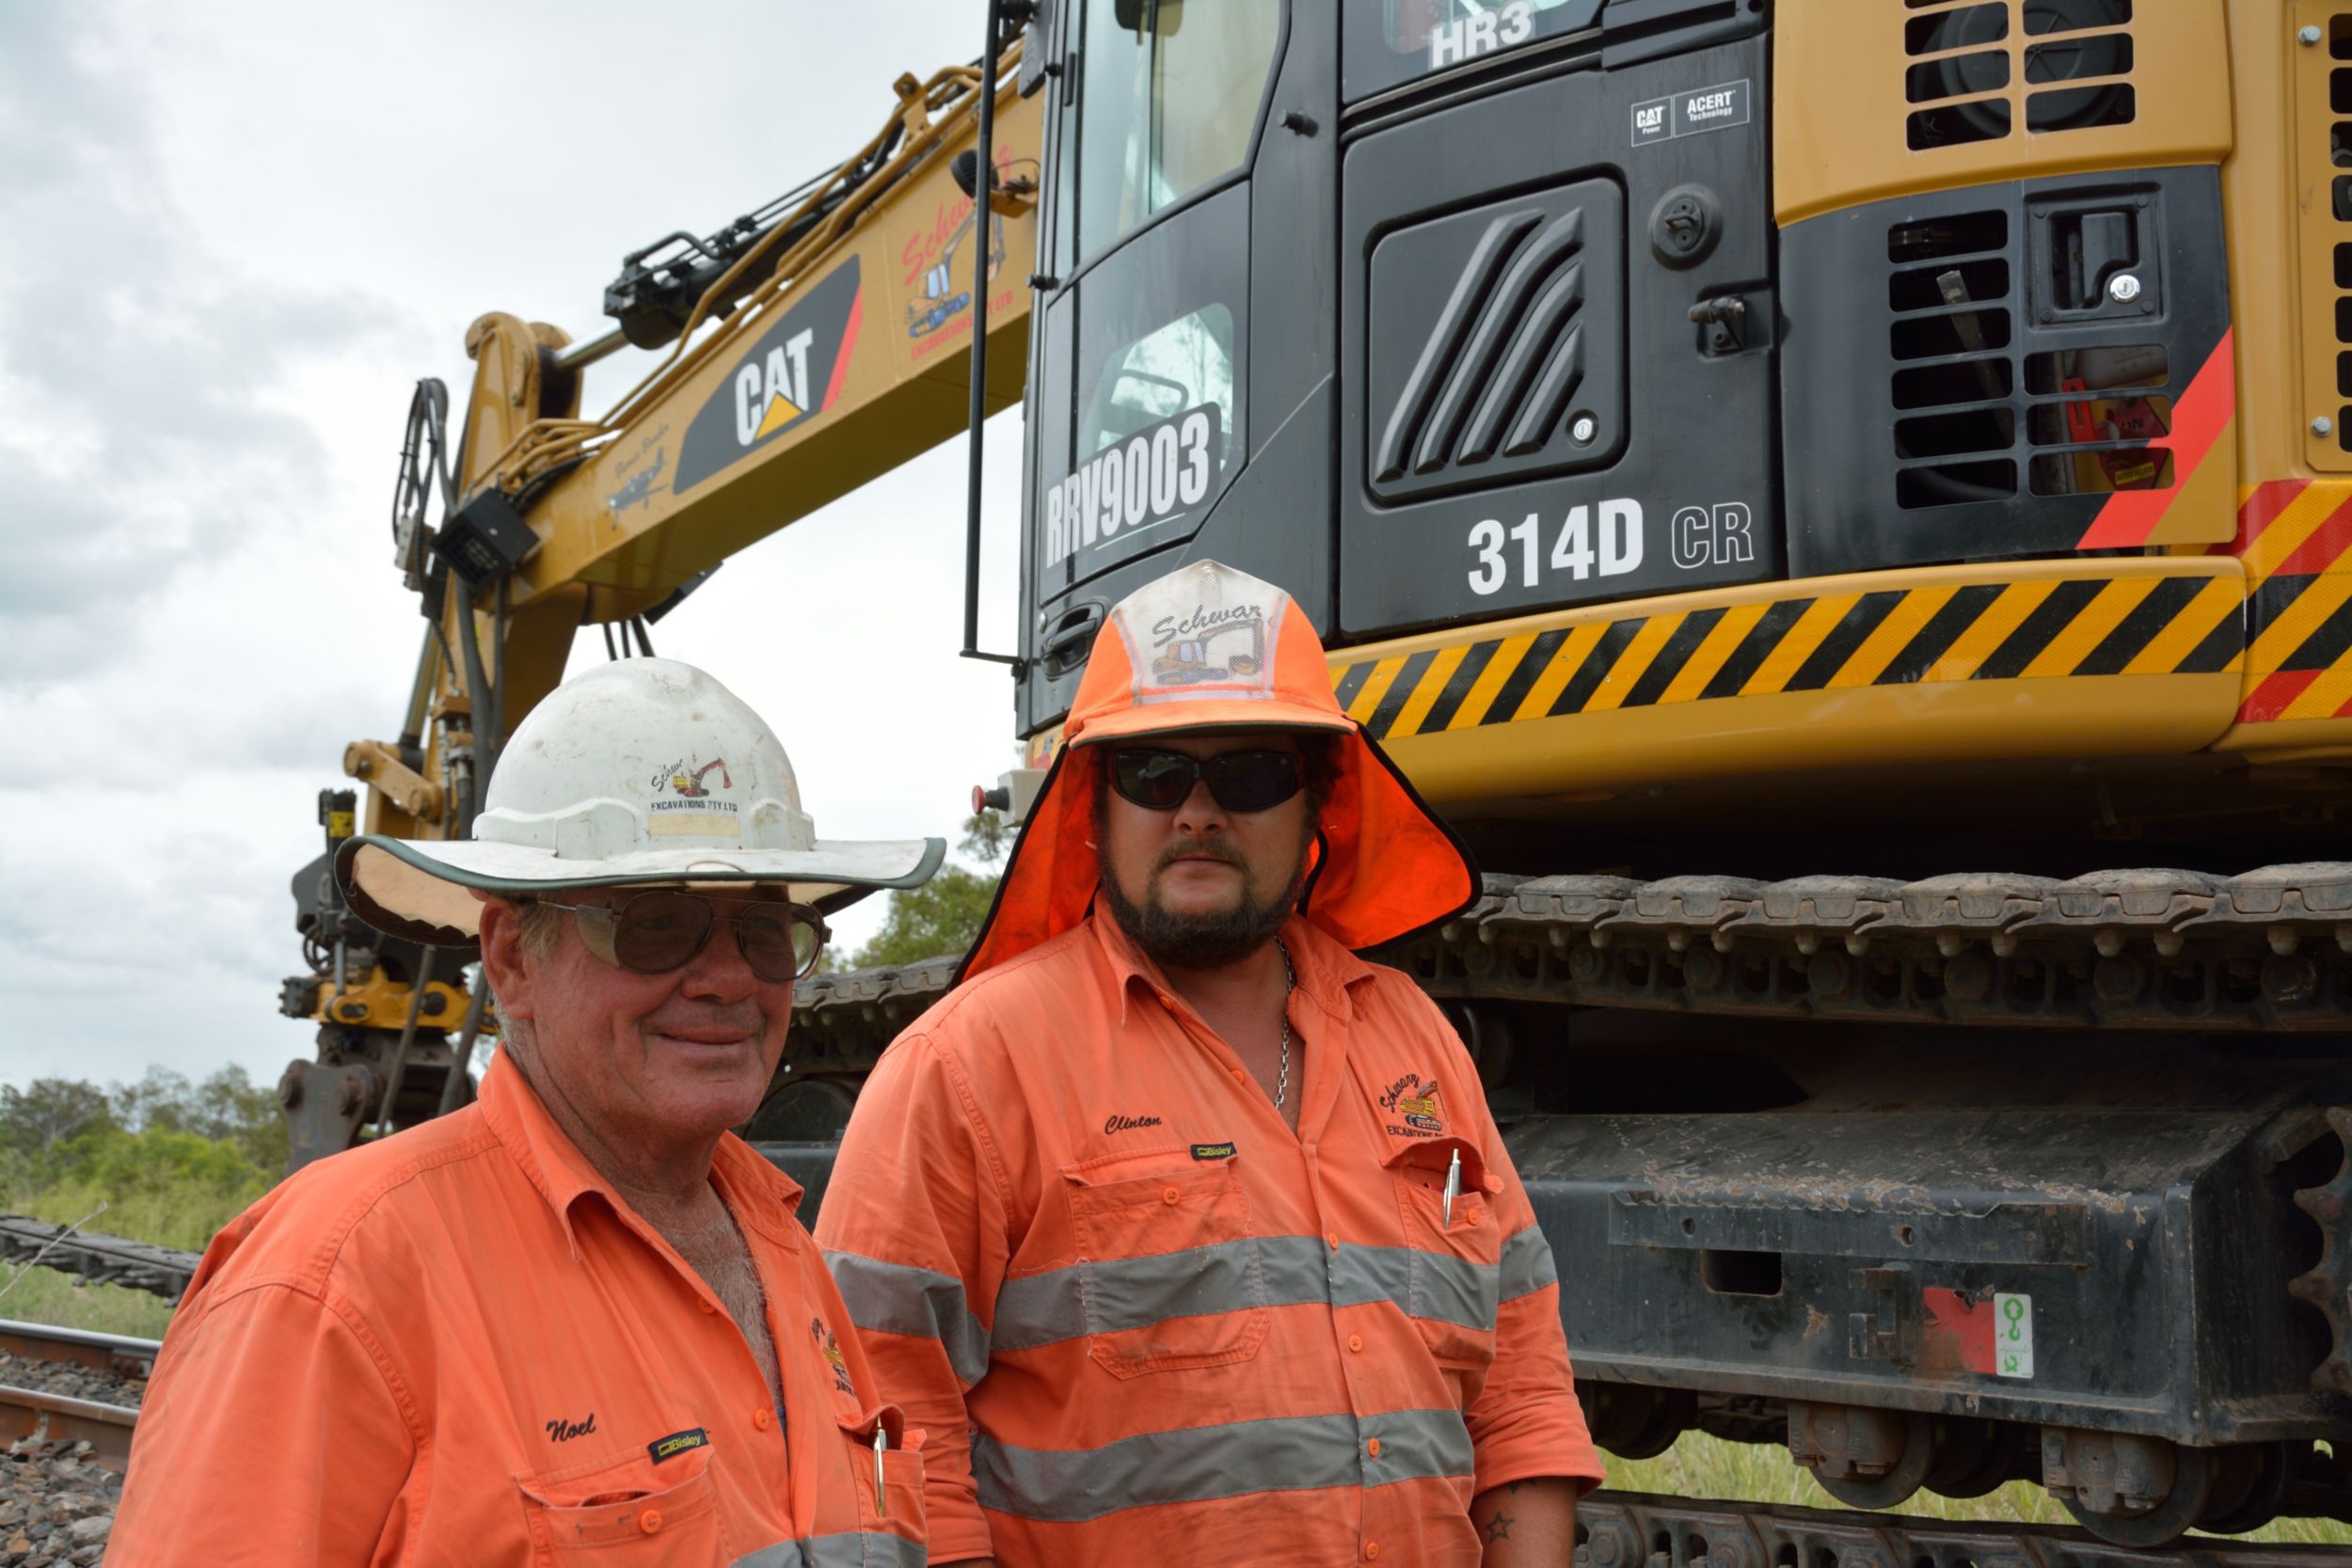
column 1127, row 1124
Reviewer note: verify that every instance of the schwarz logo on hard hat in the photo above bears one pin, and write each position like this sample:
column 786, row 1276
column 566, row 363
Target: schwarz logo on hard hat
column 683, row 802
column 677, row 1443
column 1415, row 1098
column 1209, row 644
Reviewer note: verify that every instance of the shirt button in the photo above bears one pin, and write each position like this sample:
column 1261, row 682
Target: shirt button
column 1372, row 1448
column 1240, row 1077
column 1474, row 1217
column 707, row 1309
column 1171, row 1195
column 1356, row 1343
column 761, row 1419
column 650, row 1520
column 1371, row 1549
column 1334, row 1239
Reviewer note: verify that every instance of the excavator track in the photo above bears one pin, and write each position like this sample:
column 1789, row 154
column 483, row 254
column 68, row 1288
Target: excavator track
column 2270, row 950
column 2266, row 952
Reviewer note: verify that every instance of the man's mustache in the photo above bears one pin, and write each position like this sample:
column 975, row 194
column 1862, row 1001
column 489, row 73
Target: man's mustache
column 1200, row 849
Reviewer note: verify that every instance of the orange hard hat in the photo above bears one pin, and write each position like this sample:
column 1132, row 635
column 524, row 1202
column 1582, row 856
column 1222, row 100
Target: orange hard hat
column 1208, row 648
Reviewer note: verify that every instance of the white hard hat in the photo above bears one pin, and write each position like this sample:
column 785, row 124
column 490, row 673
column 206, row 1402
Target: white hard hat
column 640, row 770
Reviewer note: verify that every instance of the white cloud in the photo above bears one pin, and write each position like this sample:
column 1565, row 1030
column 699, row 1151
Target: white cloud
column 230, row 237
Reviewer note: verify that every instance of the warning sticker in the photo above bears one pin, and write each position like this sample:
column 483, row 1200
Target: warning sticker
column 2012, row 1335
column 1688, row 114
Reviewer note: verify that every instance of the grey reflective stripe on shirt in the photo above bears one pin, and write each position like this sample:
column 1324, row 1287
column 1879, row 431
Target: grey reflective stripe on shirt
column 852, row 1549
column 1233, row 1276
column 1527, row 1265
column 1201, row 1463
column 894, row 1298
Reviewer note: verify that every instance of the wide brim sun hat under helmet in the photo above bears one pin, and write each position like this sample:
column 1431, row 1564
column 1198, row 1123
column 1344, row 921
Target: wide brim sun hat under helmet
column 639, row 771
column 1209, row 648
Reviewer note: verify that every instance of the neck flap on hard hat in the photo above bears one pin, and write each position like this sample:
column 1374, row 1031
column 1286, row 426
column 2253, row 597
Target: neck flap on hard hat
column 1210, row 648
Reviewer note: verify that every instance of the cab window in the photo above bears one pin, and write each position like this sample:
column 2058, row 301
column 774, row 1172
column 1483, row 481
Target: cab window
column 1167, row 99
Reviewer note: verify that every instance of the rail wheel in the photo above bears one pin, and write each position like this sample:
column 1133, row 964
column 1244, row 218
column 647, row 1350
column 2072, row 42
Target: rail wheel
column 2250, row 1487
column 1863, row 1457
column 2137, row 1491
column 1972, row 1457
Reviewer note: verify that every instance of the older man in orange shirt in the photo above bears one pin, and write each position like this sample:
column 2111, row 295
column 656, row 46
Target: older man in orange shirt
column 579, row 1316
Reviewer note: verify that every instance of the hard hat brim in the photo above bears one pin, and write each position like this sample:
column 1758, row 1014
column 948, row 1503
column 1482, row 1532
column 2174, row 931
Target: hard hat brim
column 423, row 890
column 1194, row 717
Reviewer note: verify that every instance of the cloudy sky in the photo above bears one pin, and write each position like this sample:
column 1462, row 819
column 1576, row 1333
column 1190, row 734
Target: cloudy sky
column 231, row 237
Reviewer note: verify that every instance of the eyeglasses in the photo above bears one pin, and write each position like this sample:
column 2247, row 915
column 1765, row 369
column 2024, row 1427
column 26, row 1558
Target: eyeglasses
column 661, row 930
column 1238, row 781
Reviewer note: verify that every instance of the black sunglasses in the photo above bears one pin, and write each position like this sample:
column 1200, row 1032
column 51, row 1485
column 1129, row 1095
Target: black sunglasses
column 661, row 930
column 1238, row 781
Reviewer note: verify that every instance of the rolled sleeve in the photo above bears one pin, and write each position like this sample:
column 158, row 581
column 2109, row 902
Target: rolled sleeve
column 273, row 1435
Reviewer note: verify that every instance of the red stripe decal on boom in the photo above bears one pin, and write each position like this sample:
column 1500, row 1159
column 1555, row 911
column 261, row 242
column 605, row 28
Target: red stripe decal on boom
column 849, row 341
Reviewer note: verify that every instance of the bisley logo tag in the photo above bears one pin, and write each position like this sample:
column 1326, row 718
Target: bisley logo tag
column 677, row 1443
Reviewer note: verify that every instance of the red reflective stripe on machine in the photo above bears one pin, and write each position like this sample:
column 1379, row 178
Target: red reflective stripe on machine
column 849, row 341
column 2204, row 412
column 2275, row 695
column 2328, row 543
column 2263, row 507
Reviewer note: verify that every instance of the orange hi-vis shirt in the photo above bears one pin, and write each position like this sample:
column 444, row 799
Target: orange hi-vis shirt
column 1143, row 1322
column 460, row 1345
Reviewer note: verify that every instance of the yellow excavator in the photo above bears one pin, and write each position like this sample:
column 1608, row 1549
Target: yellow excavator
column 1846, row 504
column 812, row 346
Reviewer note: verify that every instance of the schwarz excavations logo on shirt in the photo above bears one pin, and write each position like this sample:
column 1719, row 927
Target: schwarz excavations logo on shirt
column 830, row 1348
column 1414, row 1099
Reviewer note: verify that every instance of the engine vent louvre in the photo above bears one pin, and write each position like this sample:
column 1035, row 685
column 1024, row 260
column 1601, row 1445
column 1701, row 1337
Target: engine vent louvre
column 2339, row 189
column 1507, row 354
column 1964, row 386
column 2071, row 60
column 1954, row 384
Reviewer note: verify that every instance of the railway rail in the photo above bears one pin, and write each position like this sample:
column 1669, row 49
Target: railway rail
column 107, row 1362
column 95, row 1258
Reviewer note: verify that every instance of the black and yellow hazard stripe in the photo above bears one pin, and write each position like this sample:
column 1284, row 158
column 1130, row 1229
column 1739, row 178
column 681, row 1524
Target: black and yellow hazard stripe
column 1821, row 637
column 2294, row 542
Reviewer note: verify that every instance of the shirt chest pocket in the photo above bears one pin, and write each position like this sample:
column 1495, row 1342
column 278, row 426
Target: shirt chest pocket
column 624, row 1514
column 888, row 1482
column 1453, row 1263
column 1169, row 1273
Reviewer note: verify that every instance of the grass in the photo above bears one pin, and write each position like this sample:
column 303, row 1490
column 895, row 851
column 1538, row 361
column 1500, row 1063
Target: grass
column 1704, row 1467
column 46, row 1297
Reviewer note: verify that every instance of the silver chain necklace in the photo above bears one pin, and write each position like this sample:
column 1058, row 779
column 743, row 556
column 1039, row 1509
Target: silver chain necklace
column 1289, row 983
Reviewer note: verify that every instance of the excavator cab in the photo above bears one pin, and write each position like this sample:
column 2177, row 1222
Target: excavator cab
column 1325, row 306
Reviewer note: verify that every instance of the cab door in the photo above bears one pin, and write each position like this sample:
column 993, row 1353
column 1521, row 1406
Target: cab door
column 1557, row 309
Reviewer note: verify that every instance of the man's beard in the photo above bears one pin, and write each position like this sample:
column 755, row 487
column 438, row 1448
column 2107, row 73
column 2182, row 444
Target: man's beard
column 1175, row 941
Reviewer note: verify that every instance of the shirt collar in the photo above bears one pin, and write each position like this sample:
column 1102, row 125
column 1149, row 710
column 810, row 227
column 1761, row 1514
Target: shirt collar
column 1327, row 971
column 760, row 1196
